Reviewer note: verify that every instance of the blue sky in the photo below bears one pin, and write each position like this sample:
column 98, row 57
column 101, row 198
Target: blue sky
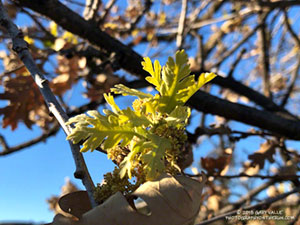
column 29, row 177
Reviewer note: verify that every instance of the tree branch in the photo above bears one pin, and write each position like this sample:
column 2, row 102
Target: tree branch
column 21, row 48
column 258, row 98
column 274, row 177
column 264, row 54
column 8, row 150
column 234, row 111
column 66, row 18
column 130, row 61
column 91, row 9
column 235, row 63
column 247, row 197
column 107, row 9
column 292, row 84
column 181, row 23
column 235, row 47
column 296, row 71
column 262, row 205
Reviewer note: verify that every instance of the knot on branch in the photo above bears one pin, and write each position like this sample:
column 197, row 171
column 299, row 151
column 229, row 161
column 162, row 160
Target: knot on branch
column 18, row 43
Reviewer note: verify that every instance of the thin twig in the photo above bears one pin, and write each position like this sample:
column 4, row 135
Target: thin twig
column 205, row 22
column 296, row 71
column 130, row 26
column 91, row 9
column 200, row 50
column 107, row 9
column 247, row 197
column 5, row 73
column 234, row 48
column 292, row 84
column 39, row 24
column 290, row 29
column 181, row 23
column 234, row 64
column 3, row 143
column 264, row 43
column 262, row 205
column 6, row 150
column 21, row 48
column 276, row 177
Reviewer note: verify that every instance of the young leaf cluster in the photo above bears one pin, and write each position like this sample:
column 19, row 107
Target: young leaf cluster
column 153, row 130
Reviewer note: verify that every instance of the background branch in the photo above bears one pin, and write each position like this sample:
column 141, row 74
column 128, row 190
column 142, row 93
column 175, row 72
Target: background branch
column 21, row 48
column 262, row 205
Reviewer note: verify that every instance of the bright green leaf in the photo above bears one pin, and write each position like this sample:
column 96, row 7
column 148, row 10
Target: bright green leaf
column 100, row 129
column 110, row 100
column 122, row 89
column 155, row 77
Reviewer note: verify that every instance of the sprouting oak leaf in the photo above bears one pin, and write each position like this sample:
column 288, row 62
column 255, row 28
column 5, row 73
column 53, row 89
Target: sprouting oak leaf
column 155, row 73
column 154, row 157
column 122, row 89
column 179, row 116
column 97, row 129
column 125, row 116
column 147, row 130
column 174, row 83
column 127, row 164
column 134, row 118
column 110, row 100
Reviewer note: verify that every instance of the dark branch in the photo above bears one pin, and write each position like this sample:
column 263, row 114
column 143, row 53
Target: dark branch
column 8, row 150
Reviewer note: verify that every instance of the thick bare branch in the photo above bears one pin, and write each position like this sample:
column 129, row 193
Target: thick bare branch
column 258, row 98
column 66, row 18
column 272, row 4
column 233, row 111
column 130, row 61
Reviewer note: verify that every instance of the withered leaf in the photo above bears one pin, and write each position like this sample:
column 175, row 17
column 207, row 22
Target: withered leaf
column 216, row 166
column 178, row 198
column 67, row 71
column 76, row 203
column 25, row 103
column 266, row 152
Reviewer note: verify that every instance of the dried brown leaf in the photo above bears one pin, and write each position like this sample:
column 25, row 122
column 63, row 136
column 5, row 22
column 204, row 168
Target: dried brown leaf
column 67, row 71
column 25, row 103
column 76, row 203
column 179, row 200
column 216, row 166
column 266, row 152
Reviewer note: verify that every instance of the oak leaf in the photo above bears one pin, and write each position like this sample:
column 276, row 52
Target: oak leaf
column 25, row 103
column 216, row 166
column 266, row 152
column 67, row 75
column 178, row 198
